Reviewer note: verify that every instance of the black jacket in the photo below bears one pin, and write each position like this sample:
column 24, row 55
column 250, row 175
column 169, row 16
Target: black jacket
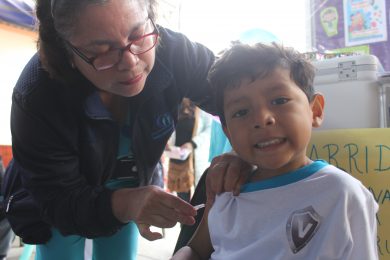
column 2, row 210
column 65, row 142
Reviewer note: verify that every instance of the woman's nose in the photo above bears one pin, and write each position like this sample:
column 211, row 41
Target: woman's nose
column 128, row 60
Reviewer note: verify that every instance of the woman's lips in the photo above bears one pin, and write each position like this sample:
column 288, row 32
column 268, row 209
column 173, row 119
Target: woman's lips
column 132, row 81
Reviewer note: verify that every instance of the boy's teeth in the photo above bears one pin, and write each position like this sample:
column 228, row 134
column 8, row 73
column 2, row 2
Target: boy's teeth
column 267, row 143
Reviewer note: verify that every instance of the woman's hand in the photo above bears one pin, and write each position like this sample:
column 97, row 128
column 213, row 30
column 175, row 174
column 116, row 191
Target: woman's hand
column 188, row 146
column 227, row 172
column 151, row 206
column 185, row 253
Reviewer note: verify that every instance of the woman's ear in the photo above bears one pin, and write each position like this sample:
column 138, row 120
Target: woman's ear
column 317, row 107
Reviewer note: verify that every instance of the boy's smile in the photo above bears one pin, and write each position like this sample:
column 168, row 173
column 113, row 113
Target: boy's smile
column 269, row 122
column 269, row 143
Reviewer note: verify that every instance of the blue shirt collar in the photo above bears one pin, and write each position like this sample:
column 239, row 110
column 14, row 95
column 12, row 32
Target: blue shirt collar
column 285, row 179
column 94, row 107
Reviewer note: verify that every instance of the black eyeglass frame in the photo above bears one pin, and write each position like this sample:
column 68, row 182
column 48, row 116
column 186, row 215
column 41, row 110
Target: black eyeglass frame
column 91, row 60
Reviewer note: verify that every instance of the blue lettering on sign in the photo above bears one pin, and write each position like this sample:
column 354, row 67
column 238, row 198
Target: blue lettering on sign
column 358, row 158
column 380, row 196
column 383, row 246
column 381, row 156
column 353, row 152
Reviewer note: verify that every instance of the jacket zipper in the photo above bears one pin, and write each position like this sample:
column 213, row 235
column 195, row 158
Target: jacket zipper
column 9, row 203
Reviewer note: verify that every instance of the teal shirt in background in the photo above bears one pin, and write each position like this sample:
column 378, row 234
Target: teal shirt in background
column 219, row 143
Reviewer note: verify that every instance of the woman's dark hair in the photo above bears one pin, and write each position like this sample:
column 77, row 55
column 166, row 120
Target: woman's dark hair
column 57, row 20
column 244, row 61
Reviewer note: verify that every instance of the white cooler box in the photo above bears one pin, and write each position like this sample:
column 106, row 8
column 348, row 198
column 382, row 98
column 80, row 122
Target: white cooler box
column 385, row 81
column 354, row 97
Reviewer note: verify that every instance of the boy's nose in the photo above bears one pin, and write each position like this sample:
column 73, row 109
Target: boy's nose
column 263, row 119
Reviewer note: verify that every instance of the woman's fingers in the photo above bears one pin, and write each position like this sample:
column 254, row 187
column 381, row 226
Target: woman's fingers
column 177, row 210
column 145, row 231
column 215, row 179
column 233, row 173
column 226, row 173
column 216, row 176
column 165, row 217
column 246, row 172
column 181, row 206
column 152, row 206
column 163, row 209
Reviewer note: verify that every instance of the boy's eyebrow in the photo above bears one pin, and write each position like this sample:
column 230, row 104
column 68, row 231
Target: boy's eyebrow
column 276, row 88
column 235, row 101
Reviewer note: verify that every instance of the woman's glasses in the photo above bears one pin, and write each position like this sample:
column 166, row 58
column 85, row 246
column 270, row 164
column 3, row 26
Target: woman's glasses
column 110, row 58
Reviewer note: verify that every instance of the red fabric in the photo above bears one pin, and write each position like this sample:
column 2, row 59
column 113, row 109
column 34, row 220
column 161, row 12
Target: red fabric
column 6, row 154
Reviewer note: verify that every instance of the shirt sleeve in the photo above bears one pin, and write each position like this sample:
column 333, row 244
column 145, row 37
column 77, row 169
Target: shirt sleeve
column 363, row 227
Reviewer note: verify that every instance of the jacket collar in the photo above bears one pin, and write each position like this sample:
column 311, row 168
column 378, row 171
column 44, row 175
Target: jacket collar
column 94, row 107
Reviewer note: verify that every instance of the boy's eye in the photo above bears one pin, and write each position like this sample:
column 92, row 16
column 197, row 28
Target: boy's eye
column 279, row 101
column 240, row 113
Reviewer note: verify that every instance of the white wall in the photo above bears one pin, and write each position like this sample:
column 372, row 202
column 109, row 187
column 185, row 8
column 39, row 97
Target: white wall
column 16, row 47
column 217, row 22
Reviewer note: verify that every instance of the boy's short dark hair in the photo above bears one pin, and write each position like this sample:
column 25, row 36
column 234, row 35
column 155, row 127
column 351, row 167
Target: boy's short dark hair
column 254, row 62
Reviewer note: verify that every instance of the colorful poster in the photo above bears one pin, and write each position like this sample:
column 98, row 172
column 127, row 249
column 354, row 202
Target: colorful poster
column 365, row 154
column 329, row 17
column 364, row 21
column 325, row 40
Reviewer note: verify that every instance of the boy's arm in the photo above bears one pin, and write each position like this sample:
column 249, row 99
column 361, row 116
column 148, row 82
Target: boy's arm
column 199, row 247
column 199, row 197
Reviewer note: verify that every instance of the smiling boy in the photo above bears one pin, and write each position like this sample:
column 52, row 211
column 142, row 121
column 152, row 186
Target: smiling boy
column 291, row 207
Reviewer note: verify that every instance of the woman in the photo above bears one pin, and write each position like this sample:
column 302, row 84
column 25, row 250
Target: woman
column 6, row 234
column 91, row 115
column 181, row 171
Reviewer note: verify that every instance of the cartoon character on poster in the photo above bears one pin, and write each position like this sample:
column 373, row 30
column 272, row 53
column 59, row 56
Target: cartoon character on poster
column 329, row 20
column 364, row 21
column 357, row 22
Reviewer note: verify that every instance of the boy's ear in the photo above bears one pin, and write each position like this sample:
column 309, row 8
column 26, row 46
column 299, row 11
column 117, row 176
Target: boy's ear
column 317, row 107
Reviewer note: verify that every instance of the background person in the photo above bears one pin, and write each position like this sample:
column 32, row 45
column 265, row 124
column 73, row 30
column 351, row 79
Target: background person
column 192, row 134
column 91, row 115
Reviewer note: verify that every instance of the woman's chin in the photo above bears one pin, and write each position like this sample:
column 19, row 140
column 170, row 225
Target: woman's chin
column 131, row 90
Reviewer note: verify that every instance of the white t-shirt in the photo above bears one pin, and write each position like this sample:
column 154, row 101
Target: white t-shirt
column 316, row 212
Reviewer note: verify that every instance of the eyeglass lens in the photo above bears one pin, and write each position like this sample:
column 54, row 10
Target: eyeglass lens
column 136, row 47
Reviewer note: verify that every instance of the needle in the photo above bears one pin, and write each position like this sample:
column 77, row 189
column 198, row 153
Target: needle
column 200, row 206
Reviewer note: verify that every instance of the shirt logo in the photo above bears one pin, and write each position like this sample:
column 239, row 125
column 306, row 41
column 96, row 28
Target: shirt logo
column 163, row 125
column 301, row 227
